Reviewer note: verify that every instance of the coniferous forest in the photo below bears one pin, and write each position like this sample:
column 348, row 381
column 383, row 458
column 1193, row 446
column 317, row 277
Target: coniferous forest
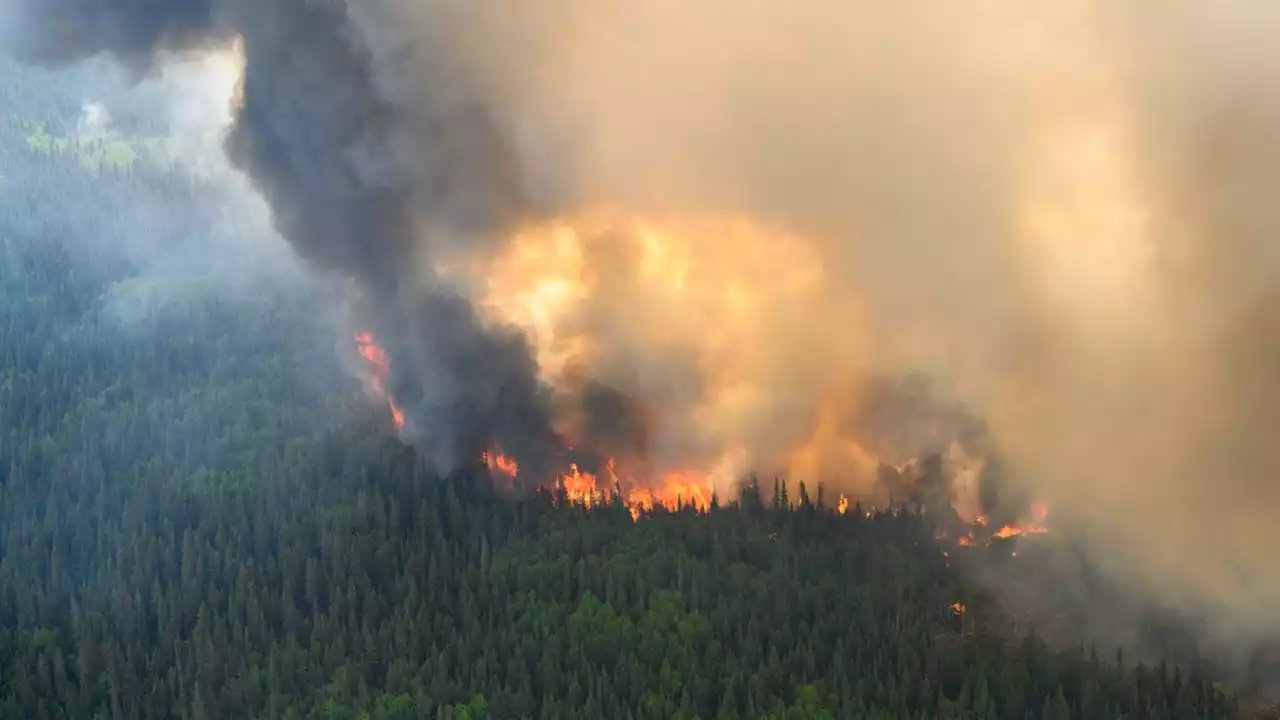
column 202, row 517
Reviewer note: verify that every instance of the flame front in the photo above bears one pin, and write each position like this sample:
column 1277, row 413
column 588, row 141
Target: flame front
column 672, row 490
column 705, row 325
column 639, row 492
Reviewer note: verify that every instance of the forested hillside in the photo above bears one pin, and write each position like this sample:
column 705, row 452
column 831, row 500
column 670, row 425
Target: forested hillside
column 200, row 516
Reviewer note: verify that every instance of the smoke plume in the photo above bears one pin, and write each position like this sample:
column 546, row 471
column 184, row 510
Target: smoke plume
column 364, row 171
column 729, row 227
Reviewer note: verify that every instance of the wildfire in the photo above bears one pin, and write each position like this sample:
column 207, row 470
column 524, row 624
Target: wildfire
column 580, row 487
column 379, row 371
column 676, row 489
column 372, row 352
column 978, row 528
column 651, row 306
column 639, row 301
column 500, row 463
column 672, row 490
column 958, row 608
column 1036, row 526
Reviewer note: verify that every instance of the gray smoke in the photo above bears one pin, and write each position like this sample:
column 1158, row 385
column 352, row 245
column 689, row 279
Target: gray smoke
column 364, row 172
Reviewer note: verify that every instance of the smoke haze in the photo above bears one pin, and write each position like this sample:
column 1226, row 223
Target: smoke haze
column 748, row 221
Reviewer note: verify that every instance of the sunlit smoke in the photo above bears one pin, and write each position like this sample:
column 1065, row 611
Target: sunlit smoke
column 672, row 312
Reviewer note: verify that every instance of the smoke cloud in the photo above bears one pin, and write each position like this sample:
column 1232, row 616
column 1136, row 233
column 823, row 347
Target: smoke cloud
column 729, row 227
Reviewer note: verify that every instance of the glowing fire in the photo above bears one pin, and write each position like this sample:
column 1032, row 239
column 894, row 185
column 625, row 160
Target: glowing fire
column 580, row 487
column 693, row 317
column 500, row 463
column 958, row 608
column 1036, row 526
column 1009, row 531
column 640, row 302
column 672, row 490
column 978, row 528
column 379, row 371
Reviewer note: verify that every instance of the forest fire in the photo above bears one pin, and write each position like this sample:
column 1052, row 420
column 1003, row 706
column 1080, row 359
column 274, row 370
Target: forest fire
column 502, row 464
column 685, row 336
column 978, row 531
column 580, row 487
column 644, row 490
column 379, row 370
column 662, row 356
column 672, row 490
column 1035, row 526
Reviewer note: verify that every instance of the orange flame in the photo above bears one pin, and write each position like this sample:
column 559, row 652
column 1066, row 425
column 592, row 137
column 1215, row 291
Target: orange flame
column 843, row 506
column 1036, row 526
column 1039, row 511
column 370, row 351
column 1009, row 531
column 672, row 490
column 677, row 489
column 504, row 464
column 379, row 371
column 580, row 487
column 958, row 608
column 639, row 499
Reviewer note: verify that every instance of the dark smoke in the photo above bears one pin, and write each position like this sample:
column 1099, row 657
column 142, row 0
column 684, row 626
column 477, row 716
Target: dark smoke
column 363, row 178
column 66, row 31
column 481, row 379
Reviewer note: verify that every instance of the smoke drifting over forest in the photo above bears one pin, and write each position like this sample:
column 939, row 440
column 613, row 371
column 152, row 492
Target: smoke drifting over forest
column 1060, row 210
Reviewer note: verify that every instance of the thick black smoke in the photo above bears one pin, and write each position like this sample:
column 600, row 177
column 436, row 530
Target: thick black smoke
column 364, row 178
